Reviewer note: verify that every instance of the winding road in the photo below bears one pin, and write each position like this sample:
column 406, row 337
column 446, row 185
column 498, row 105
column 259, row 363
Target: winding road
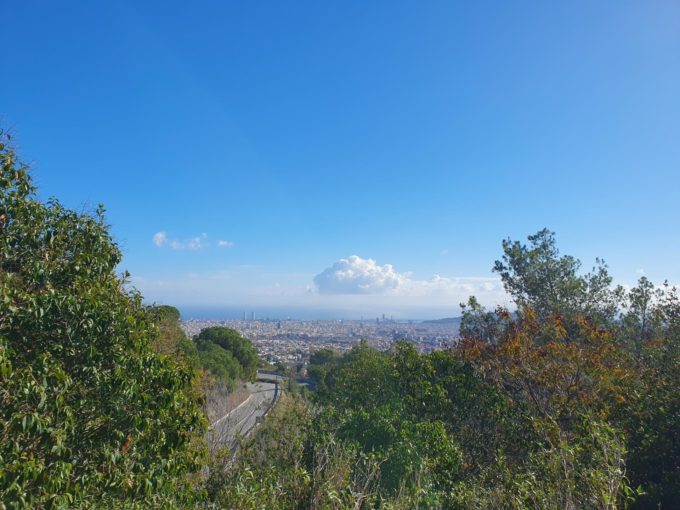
column 240, row 421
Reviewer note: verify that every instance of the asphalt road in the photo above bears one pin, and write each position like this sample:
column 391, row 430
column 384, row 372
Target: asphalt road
column 241, row 420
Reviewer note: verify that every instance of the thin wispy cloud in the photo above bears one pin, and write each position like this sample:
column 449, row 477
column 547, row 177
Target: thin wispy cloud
column 160, row 239
column 195, row 243
column 199, row 242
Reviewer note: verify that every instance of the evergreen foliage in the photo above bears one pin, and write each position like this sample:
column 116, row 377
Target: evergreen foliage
column 226, row 353
column 90, row 416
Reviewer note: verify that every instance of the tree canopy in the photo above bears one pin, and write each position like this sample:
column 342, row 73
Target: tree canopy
column 233, row 346
column 538, row 277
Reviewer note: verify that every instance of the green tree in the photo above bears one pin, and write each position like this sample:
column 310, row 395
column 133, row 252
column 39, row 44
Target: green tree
column 537, row 277
column 221, row 364
column 171, row 339
column 480, row 323
column 323, row 356
column 321, row 363
column 89, row 415
column 165, row 313
column 237, row 346
column 650, row 416
column 551, row 285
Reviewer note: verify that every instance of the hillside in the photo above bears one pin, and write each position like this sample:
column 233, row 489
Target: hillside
column 446, row 320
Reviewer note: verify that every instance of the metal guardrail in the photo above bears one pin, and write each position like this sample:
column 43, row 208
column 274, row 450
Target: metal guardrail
column 277, row 392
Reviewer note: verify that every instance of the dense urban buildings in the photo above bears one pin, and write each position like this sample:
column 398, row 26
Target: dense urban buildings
column 290, row 341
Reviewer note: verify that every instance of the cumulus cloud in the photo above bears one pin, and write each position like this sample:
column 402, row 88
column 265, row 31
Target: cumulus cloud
column 161, row 240
column 224, row 244
column 355, row 275
column 350, row 288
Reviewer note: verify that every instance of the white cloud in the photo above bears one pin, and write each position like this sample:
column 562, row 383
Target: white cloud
column 159, row 238
column 224, row 244
column 640, row 271
column 355, row 275
column 352, row 287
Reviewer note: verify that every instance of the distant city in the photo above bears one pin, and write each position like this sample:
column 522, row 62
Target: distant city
column 218, row 313
column 292, row 341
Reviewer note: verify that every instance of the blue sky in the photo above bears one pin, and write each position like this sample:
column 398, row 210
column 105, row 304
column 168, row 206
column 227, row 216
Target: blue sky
column 410, row 134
